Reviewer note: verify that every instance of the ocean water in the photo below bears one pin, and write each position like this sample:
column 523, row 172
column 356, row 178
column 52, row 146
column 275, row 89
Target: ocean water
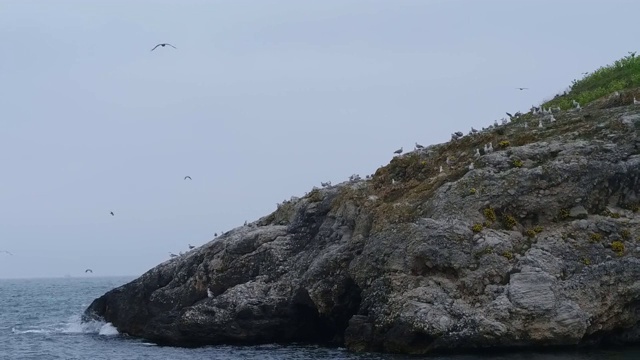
column 40, row 319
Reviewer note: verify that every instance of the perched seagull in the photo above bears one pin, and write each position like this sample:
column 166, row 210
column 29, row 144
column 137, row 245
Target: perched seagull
column 187, row 177
column 191, row 246
column 490, row 148
column 525, row 125
column 88, row 270
column 440, row 168
column 418, row 146
column 540, row 124
column 172, row 255
column 477, row 153
column 635, row 102
column 163, row 45
column 5, row 251
column 112, row 214
column 522, row 88
column 393, row 181
column 471, row 166
column 215, row 234
column 209, row 293
column 552, row 119
column 399, row 151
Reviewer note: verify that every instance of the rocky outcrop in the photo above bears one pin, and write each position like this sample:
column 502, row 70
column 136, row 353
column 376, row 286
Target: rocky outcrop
column 537, row 245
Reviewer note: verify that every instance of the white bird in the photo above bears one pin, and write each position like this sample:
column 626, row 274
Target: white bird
column 505, row 121
column 418, row 146
column 495, row 123
column 525, row 125
column 209, row 293
column 490, row 147
column 449, row 161
column 635, row 102
column 393, row 181
column 540, row 124
column 552, row 119
column 440, row 168
column 399, row 151
column 471, row 166
column 477, row 153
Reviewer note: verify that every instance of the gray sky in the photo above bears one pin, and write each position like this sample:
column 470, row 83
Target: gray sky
column 261, row 101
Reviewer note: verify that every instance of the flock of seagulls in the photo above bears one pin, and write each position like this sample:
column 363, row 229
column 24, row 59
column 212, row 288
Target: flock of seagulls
column 546, row 115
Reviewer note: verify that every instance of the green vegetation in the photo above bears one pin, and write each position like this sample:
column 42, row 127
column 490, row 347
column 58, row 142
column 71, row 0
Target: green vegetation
column 622, row 74
column 595, row 237
column 564, row 214
column 473, row 191
column 476, row 228
column 586, row 261
column 618, row 247
column 517, row 163
column 625, row 234
column 490, row 215
column 509, row 222
column 508, row 255
column 503, row 144
column 534, row 231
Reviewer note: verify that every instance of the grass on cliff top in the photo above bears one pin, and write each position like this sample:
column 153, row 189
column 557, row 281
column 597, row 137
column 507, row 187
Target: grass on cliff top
column 622, row 74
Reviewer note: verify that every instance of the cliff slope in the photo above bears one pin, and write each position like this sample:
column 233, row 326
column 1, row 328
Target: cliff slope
column 536, row 245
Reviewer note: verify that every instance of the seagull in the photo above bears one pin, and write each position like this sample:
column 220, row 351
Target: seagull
column 477, row 153
column 187, row 177
column 172, row 255
column 509, row 115
column 399, row 151
column 440, row 168
column 471, row 166
column 163, row 45
column 418, row 146
column 209, row 293
column 552, row 118
column 522, row 88
column 5, row 251
column 191, row 246
column 540, row 124
column 215, row 234
column 635, row 102
column 88, row 270
column 112, row 214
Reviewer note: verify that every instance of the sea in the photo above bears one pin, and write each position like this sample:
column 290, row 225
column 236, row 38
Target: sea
column 40, row 319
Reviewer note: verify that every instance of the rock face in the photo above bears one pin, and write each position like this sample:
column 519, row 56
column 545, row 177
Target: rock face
column 537, row 245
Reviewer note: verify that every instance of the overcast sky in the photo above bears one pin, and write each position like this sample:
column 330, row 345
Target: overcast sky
column 261, row 100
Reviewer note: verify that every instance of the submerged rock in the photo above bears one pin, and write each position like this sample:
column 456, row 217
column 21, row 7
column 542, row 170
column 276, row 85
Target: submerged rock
column 508, row 254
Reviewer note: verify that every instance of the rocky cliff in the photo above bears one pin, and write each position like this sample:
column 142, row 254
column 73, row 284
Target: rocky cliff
column 536, row 244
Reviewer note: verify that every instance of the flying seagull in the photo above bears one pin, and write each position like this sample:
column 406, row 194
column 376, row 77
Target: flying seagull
column 187, row 177
column 112, row 214
column 163, row 45
column 5, row 251
column 522, row 88
column 88, row 270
